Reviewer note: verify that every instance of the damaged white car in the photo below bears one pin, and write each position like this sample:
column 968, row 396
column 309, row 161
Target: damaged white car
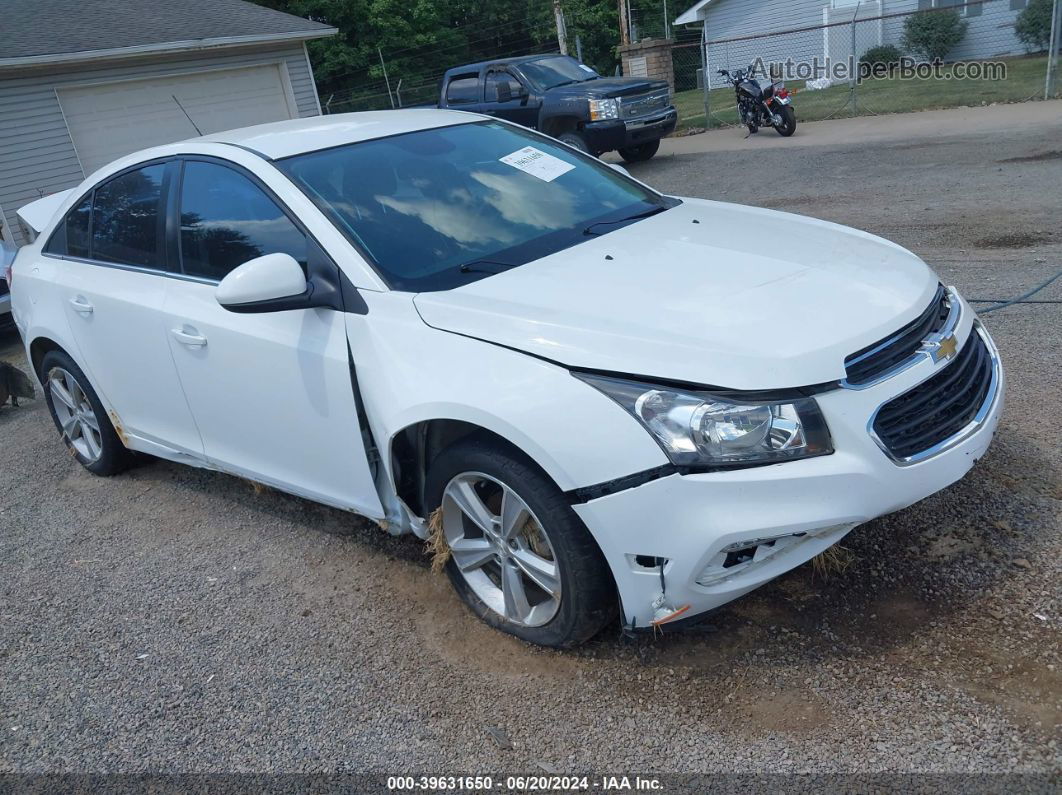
column 602, row 398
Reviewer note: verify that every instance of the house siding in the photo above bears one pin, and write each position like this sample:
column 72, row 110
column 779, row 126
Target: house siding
column 37, row 156
column 988, row 35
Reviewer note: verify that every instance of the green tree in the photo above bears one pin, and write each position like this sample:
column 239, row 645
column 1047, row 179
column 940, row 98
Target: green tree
column 420, row 39
column 1033, row 26
column 933, row 34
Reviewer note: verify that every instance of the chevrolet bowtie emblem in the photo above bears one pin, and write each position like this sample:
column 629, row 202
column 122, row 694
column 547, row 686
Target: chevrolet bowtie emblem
column 945, row 349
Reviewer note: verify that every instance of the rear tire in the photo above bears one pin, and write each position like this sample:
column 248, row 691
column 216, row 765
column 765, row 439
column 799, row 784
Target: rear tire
column 789, row 123
column 641, row 152
column 580, row 598
column 82, row 421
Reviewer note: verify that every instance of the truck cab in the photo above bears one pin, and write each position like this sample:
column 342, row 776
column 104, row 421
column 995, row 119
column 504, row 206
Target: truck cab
column 558, row 95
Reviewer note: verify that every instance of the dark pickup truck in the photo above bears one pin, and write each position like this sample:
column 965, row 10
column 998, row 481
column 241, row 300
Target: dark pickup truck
column 559, row 96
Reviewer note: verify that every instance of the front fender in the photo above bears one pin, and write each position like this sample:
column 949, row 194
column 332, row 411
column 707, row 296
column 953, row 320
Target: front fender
column 408, row 372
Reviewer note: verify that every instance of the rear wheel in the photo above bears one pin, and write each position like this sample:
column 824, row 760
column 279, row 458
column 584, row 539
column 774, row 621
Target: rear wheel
column 789, row 123
column 520, row 557
column 80, row 417
column 636, row 154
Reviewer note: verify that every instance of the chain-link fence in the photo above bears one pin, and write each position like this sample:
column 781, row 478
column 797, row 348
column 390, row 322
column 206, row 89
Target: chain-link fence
column 863, row 58
column 852, row 57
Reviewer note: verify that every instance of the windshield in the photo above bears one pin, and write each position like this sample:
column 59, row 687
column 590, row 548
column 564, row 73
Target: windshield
column 556, row 70
column 438, row 208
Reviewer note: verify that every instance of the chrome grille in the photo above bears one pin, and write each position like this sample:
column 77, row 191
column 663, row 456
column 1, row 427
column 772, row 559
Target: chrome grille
column 940, row 407
column 867, row 364
column 644, row 104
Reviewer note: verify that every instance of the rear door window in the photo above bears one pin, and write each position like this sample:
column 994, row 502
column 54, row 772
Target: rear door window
column 126, row 218
column 463, row 90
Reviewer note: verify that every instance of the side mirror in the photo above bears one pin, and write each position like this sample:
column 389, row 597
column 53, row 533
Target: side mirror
column 620, row 169
column 272, row 283
column 505, row 93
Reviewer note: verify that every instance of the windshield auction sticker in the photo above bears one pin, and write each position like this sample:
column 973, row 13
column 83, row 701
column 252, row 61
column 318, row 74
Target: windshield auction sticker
column 537, row 163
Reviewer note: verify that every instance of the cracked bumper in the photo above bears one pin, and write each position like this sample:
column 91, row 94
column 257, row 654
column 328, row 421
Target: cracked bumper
column 692, row 520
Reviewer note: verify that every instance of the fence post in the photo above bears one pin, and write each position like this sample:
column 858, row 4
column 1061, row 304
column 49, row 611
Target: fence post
column 1053, row 49
column 706, row 80
column 390, row 96
column 852, row 82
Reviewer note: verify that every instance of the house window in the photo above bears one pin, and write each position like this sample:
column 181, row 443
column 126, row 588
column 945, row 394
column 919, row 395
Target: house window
column 968, row 8
column 1018, row 5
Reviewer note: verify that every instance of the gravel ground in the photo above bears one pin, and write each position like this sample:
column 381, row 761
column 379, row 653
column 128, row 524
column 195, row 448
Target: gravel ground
column 175, row 620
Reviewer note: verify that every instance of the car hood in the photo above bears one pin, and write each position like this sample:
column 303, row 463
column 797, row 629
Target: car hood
column 606, row 87
column 709, row 293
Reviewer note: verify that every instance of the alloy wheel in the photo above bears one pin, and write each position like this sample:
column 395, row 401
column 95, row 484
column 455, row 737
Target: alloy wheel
column 501, row 549
column 77, row 419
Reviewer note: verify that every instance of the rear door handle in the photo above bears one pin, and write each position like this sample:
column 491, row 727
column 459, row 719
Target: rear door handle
column 189, row 337
column 81, row 305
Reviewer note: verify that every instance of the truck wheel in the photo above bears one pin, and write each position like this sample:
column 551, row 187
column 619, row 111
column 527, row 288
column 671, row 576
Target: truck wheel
column 574, row 140
column 636, row 154
column 521, row 559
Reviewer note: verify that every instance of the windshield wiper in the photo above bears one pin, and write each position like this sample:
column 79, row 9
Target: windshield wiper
column 637, row 216
column 487, row 266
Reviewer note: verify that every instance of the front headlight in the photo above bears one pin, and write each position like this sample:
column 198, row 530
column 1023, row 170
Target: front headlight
column 601, row 109
column 701, row 429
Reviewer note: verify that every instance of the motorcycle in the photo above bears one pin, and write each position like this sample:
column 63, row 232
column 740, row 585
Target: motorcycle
column 762, row 105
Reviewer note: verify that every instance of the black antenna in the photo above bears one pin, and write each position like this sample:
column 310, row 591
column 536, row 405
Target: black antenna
column 179, row 105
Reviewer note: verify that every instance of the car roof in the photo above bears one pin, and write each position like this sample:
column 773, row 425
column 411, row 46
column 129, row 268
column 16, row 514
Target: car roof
column 296, row 136
column 515, row 59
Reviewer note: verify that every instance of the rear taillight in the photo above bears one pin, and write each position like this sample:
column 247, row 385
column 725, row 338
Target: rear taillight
column 783, row 92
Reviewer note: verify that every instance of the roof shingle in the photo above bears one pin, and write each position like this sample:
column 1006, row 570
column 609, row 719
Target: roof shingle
column 41, row 28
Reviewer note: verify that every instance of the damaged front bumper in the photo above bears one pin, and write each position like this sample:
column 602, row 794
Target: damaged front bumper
column 680, row 545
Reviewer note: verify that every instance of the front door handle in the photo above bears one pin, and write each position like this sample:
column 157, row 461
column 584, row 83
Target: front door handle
column 81, row 305
column 189, row 336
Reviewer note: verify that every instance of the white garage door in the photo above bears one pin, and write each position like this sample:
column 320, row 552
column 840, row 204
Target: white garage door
column 111, row 120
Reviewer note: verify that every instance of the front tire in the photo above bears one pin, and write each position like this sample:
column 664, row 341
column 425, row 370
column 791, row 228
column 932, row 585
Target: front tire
column 521, row 559
column 80, row 417
column 575, row 140
column 641, row 152
column 789, row 123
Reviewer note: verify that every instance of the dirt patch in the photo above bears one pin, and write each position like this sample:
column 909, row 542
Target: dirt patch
column 1029, row 690
column 785, row 711
column 1013, row 240
column 1054, row 154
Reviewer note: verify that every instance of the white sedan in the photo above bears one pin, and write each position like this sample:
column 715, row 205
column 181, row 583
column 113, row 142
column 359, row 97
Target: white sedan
column 595, row 397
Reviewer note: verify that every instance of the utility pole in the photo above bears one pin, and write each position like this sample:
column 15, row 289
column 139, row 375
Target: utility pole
column 562, row 34
column 624, row 30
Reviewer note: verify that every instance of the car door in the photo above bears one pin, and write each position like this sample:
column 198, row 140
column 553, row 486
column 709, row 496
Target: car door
column 507, row 98
column 272, row 393
column 112, row 284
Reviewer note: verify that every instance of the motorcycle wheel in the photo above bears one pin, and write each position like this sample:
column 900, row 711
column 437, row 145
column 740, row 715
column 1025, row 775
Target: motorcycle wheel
column 788, row 125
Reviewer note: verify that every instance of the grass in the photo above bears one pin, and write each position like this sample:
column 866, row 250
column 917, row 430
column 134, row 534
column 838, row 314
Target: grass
column 1024, row 81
